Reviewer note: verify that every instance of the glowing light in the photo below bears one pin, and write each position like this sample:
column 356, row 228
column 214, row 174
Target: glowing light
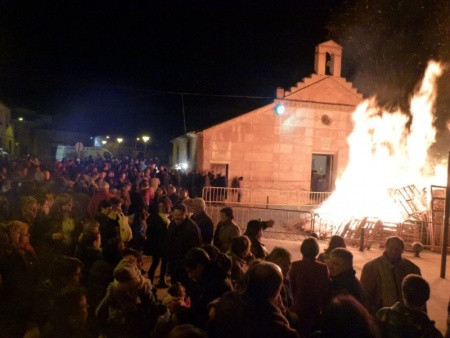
column 145, row 138
column 119, row 140
column 20, row 118
column 184, row 165
column 279, row 109
column 104, row 142
column 387, row 150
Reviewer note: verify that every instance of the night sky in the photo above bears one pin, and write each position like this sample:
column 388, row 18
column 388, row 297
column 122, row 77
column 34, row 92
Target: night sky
column 119, row 67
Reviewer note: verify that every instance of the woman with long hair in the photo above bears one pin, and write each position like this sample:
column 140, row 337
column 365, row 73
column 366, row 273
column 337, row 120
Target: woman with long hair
column 18, row 276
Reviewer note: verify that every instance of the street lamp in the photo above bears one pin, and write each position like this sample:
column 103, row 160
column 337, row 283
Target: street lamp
column 145, row 139
column 119, row 140
column 104, row 142
column 135, row 143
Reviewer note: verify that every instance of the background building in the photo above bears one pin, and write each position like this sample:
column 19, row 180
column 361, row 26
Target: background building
column 280, row 151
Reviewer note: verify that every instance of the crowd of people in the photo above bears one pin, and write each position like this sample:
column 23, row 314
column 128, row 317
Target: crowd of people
column 73, row 238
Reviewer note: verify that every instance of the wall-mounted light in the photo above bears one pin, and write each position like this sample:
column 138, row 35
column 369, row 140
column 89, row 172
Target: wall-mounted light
column 279, row 109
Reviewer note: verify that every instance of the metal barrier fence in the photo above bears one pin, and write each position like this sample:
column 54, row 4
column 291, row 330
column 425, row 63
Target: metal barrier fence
column 289, row 224
column 263, row 197
column 296, row 224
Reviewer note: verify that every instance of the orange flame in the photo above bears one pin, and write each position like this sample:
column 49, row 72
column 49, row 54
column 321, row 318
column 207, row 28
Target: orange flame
column 386, row 154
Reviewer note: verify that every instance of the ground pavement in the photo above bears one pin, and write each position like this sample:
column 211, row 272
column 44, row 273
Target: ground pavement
column 429, row 263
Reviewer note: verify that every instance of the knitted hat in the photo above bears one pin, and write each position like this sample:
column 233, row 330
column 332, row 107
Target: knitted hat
column 125, row 272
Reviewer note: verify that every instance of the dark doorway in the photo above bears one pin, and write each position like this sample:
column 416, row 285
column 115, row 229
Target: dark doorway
column 321, row 170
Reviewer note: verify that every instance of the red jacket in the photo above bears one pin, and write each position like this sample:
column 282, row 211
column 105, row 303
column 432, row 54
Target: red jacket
column 310, row 280
column 95, row 200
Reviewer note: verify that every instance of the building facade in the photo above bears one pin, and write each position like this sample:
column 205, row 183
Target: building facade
column 280, row 151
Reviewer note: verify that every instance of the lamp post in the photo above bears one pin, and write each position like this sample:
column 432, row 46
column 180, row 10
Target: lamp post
column 135, row 143
column 119, row 140
column 145, row 139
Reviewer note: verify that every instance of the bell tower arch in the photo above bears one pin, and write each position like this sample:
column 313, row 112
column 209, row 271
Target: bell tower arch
column 328, row 56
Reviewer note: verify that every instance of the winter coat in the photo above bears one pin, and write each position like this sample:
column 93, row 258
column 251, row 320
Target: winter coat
column 225, row 231
column 346, row 283
column 310, row 281
column 237, row 317
column 382, row 281
column 399, row 321
column 206, row 226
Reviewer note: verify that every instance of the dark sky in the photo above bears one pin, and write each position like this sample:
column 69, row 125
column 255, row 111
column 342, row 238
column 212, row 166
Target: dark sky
column 118, row 67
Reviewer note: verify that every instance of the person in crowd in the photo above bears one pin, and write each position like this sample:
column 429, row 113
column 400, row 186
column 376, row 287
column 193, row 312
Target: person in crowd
column 129, row 308
column 124, row 195
column 65, row 228
column 226, row 230
column 310, row 280
column 187, row 331
column 164, row 177
column 175, row 300
column 183, row 235
column 18, row 276
column 154, row 180
column 241, row 257
column 101, row 275
column 108, row 226
column 4, row 209
column 113, row 223
column 409, row 319
column 156, row 243
column 173, row 195
column 88, row 251
column 184, row 195
column 41, row 223
column 382, row 276
column 147, row 193
column 159, row 194
column 235, row 184
column 101, row 195
column 282, row 257
column 252, row 312
column 68, row 315
column 137, row 200
column 28, row 208
column 202, row 219
column 63, row 272
column 208, row 281
column 254, row 231
column 343, row 276
column 139, row 229
column 336, row 241
column 346, row 317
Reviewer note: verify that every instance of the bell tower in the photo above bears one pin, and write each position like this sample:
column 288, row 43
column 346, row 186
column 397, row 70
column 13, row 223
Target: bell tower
column 328, row 59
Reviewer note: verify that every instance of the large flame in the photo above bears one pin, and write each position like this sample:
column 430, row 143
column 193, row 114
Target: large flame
column 387, row 150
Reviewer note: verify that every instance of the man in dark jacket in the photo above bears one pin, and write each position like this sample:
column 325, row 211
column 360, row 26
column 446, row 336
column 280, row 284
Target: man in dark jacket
column 343, row 276
column 209, row 280
column 253, row 313
column 183, row 235
column 202, row 219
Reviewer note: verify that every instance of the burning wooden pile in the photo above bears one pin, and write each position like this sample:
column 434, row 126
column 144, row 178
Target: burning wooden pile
column 388, row 149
